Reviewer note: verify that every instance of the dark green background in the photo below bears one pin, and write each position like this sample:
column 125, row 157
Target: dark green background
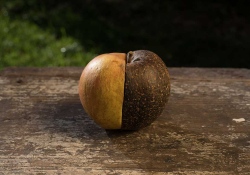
column 70, row 33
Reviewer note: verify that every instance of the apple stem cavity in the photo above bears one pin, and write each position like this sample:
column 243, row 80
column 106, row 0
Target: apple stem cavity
column 129, row 56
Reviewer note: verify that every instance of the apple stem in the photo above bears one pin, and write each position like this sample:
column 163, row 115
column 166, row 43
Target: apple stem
column 129, row 56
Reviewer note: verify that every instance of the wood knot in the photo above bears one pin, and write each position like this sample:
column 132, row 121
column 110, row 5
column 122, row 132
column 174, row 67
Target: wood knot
column 19, row 81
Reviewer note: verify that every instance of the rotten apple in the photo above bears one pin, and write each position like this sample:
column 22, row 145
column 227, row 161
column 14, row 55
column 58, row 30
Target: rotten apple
column 125, row 91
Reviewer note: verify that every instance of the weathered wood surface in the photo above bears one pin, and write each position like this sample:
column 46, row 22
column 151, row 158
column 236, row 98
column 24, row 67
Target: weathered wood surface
column 205, row 129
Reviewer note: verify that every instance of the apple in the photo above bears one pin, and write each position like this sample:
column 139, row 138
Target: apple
column 125, row 91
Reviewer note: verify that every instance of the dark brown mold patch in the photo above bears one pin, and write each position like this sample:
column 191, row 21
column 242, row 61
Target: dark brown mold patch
column 146, row 91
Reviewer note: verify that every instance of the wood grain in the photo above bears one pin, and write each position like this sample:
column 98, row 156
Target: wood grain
column 45, row 130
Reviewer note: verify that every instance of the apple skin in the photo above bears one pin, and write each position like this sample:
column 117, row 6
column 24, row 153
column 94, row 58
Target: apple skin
column 101, row 89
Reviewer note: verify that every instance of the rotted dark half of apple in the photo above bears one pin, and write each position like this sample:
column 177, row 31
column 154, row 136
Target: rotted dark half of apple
column 125, row 91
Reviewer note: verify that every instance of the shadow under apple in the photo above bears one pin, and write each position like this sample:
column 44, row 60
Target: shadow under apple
column 67, row 117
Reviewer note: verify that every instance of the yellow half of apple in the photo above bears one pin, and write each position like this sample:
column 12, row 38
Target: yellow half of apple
column 101, row 89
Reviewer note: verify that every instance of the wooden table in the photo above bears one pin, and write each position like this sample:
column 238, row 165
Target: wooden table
column 205, row 128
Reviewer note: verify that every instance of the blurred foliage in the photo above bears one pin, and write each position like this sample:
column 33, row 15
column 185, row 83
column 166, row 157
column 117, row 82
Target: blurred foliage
column 25, row 44
column 182, row 33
